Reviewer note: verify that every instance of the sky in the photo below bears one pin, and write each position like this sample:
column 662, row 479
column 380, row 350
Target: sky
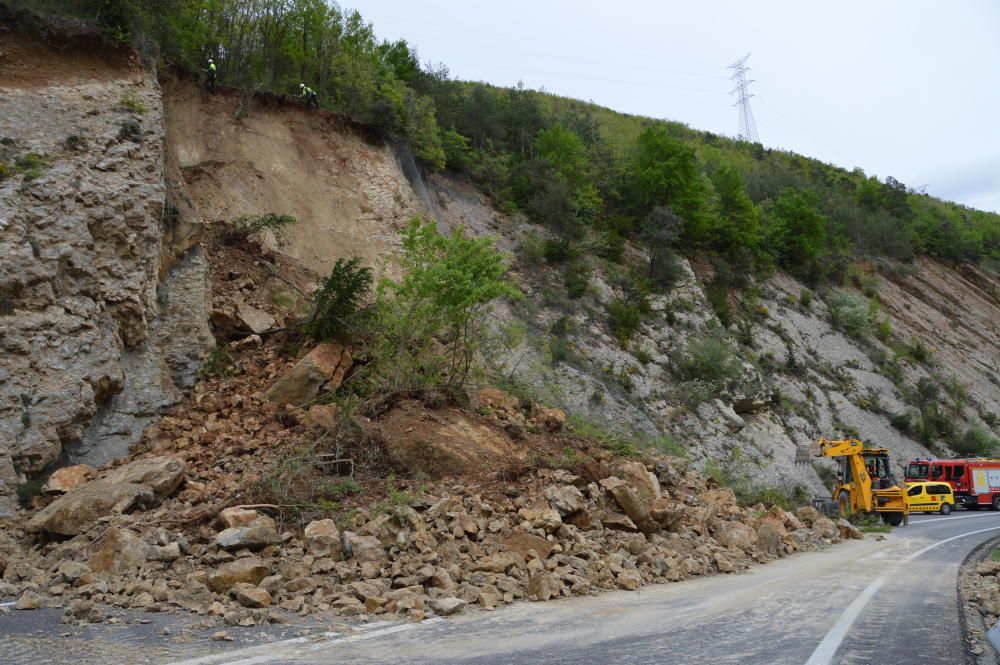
column 907, row 88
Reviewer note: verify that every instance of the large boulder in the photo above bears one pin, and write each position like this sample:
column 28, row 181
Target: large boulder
column 640, row 479
column 770, row 539
column 363, row 548
column 73, row 513
column 445, row 442
column 735, row 535
column 253, row 319
column 565, row 498
column 254, row 535
column 543, row 586
column 632, row 503
column 121, row 552
column 668, row 513
column 322, row 538
column 322, row 369
column 524, row 543
column 250, row 595
column 249, row 570
column 161, row 474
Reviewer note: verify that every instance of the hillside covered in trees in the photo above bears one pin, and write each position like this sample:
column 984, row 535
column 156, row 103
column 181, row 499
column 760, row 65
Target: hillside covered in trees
column 594, row 177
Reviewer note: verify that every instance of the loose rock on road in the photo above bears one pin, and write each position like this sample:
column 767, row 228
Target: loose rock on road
column 861, row 602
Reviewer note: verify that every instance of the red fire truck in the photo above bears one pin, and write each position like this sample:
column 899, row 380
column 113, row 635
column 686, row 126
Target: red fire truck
column 975, row 481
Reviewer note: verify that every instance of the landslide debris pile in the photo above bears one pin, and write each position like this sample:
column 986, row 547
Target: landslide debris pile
column 171, row 529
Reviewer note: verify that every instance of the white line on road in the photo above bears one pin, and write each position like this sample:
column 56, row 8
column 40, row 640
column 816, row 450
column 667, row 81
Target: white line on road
column 8, row 603
column 952, row 519
column 827, row 648
column 338, row 638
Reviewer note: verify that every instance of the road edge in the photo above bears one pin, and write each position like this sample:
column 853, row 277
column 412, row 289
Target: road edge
column 971, row 621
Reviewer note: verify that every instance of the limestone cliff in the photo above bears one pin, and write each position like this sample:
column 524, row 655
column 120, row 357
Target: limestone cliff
column 97, row 332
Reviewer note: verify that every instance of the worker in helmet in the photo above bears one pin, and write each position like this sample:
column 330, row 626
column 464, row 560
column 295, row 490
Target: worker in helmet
column 210, row 73
column 308, row 94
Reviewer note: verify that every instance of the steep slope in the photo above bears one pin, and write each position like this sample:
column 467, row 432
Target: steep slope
column 102, row 323
column 801, row 377
column 239, row 157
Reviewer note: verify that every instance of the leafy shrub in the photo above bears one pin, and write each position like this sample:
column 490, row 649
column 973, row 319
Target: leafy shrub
column 902, row 421
column 338, row 301
column 643, row 355
column 30, row 165
column 624, row 319
column 533, row 248
column 432, row 323
column 247, row 225
column 341, row 488
column 577, row 276
column 28, row 490
column 805, row 298
column 850, row 314
column 708, row 358
column 915, row 351
column 697, row 391
column 976, row 441
column 75, row 143
column 130, row 102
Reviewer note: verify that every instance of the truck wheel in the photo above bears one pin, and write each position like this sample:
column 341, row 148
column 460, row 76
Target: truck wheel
column 996, row 502
column 945, row 508
column 892, row 519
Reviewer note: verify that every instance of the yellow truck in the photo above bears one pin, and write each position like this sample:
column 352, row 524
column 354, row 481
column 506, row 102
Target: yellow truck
column 864, row 481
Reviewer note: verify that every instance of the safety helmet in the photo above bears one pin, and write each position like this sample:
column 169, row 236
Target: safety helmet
column 210, row 61
column 302, row 85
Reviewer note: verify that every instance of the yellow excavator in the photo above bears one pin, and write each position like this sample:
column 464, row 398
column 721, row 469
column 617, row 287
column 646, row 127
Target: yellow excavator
column 864, row 481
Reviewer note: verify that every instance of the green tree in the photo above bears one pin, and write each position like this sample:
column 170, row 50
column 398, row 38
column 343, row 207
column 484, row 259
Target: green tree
column 665, row 172
column 432, row 321
column 797, row 231
column 738, row 227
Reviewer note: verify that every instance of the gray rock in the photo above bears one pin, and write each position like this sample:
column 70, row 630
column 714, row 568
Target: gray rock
column 255, row 535
column 73, row 512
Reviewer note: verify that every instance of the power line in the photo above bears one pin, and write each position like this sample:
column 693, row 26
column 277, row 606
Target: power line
column 748, row 128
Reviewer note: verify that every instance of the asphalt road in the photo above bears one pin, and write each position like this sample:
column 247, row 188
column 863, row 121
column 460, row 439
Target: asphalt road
column 889, row 602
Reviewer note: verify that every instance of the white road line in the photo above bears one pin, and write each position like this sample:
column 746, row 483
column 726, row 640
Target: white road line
column 831, row 642
column 827, row 648
column 952, row 519
column 8, row 603
column 310, row 643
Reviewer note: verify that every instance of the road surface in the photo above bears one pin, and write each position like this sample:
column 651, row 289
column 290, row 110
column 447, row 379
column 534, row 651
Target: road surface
column 893, row 601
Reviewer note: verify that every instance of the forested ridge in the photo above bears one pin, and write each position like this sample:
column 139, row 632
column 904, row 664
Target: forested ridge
column 593, row 177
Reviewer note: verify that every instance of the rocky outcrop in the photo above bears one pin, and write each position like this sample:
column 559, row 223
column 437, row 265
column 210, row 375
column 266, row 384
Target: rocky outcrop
column 97, row 334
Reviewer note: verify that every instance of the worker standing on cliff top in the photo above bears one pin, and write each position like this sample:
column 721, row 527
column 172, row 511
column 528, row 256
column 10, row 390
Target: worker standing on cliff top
column 307, row 93
column 210, row 73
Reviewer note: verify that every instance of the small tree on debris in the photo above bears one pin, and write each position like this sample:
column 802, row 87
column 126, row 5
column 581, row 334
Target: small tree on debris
column 338, row 302
column 433, row 321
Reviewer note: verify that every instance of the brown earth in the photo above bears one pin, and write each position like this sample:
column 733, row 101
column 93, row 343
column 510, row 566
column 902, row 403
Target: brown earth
column 32, row 59
column 346, row 191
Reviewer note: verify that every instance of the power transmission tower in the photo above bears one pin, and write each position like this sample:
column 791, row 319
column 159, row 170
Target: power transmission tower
column 748, row 128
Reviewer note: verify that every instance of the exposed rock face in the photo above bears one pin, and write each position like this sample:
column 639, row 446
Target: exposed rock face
column 97, row 333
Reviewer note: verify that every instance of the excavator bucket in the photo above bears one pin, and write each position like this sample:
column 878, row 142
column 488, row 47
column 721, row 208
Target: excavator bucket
column 805, row 452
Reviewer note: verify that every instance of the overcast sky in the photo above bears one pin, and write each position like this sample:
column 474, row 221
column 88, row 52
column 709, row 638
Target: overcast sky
column 907, row 88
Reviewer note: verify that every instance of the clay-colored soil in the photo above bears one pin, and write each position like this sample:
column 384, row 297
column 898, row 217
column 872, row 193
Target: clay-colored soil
column 347, row 193
column 30, row 62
